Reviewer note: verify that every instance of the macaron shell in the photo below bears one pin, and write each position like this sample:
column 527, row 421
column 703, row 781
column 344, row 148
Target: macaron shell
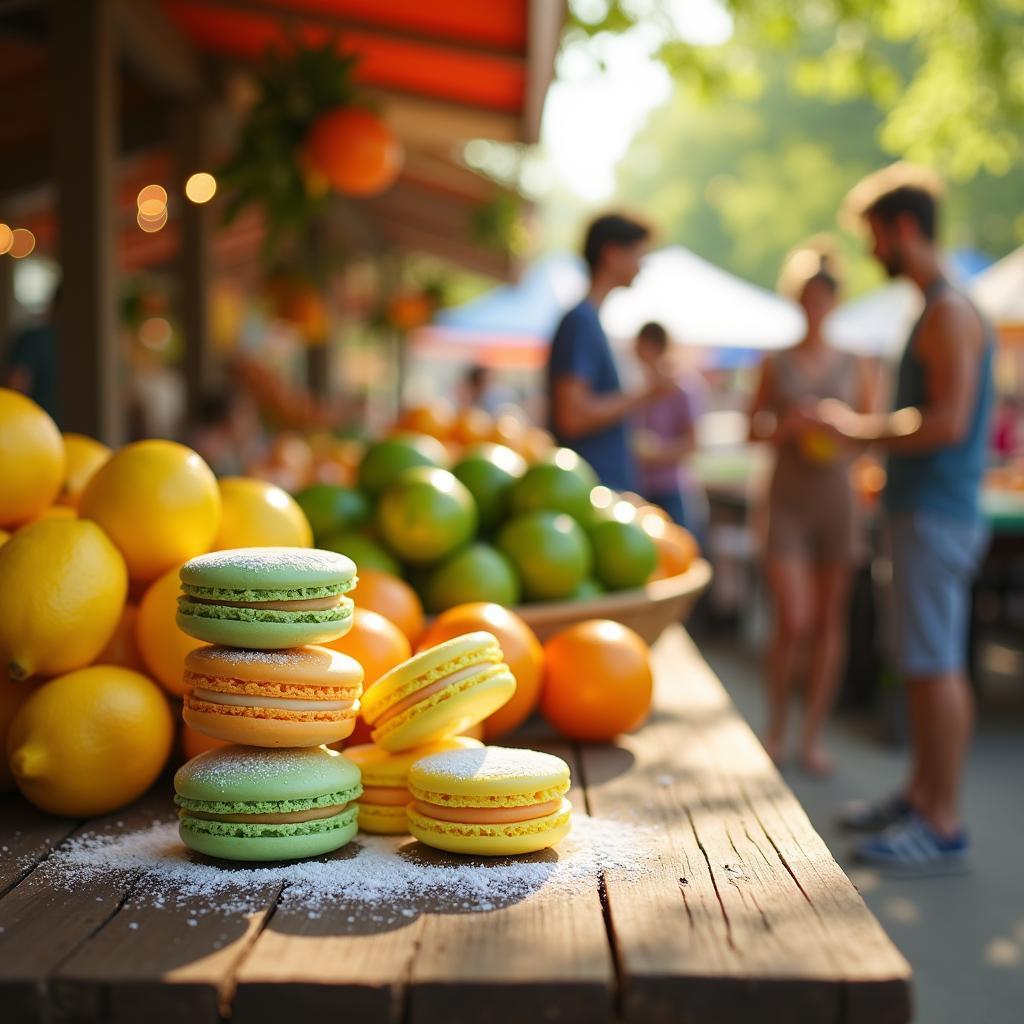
column 270, row 848
column 300, row 666
column 446, row 713
column 381, row 767
column 383, row 820
column 489, row 777
column 492, row 840
column 251, row 731
column 271, row 568
column 264, row 635
column 428, row 666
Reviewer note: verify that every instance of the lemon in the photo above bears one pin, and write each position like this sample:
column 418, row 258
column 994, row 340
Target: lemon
column 12, row 696
column 84, row 456
column 256, row 514
column 91, row 741
column 122, row 648
column 4, row 537
column 159, row 502
column 55, row 512
column 62, row 587
column 162, row 645
column 31, row 458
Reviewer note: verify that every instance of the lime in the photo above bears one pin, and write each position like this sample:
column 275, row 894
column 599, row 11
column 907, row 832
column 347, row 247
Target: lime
column 385, row 460
column 477, row 573
column 331, row 508
column 489, row 471
column 425, row 515
column 550, row 551
column 364, row 551
column 560, row 483
column 624, row 555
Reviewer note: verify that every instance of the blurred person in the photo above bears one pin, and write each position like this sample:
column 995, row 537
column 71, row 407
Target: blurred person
column 936, row 439
column 813, row 531
column 587, row 409
column 30, row 365
column 228, row 434
column 478, row 389
column 665, row 434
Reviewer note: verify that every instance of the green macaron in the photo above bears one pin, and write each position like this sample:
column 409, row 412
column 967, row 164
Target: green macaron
column 267, row 597
column 267, row 803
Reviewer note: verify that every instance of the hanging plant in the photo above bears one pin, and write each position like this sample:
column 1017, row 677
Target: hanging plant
column 308, row 134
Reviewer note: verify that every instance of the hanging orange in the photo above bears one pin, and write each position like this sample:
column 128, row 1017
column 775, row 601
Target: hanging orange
column 355, row 151
column 597, row 680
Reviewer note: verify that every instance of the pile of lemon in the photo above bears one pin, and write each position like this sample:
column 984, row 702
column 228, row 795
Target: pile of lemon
column 90, row 545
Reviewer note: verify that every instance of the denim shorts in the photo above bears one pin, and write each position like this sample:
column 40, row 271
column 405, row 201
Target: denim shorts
column 934, row 562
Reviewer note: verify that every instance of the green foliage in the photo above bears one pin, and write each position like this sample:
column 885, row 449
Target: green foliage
column 295, row 88
column 957, row 103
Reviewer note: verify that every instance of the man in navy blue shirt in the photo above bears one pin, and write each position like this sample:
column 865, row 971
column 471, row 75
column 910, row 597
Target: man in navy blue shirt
column 587, row 408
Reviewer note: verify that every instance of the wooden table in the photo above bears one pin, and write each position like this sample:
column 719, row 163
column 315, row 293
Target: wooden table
column 744, row 915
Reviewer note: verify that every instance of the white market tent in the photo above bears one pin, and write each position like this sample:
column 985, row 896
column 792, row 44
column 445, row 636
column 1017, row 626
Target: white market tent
column 701, row 305
column 878, row 322
column 999, row 292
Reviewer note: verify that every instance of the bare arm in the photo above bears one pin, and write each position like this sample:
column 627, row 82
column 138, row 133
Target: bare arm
column 765, row 423
column 577, row 411
column 947, row 345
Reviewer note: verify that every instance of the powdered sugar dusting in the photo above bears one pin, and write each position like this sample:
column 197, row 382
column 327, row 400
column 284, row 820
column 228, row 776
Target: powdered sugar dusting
column 265, row 560
column 387, row 877
column 490, row 764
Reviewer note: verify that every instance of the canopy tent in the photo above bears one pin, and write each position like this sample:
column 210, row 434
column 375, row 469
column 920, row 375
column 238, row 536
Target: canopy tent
column 999, row 292
column 701, row 305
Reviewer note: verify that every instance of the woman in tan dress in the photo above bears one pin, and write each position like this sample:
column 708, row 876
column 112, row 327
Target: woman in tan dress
column 813, row 532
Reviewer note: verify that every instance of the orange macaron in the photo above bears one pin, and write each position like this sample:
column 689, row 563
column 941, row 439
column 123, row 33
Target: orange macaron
column 298, row 697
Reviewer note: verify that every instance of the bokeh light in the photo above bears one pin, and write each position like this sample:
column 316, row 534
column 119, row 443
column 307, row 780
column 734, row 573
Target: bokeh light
column 152, row 224
column 152, row 194
column 201, row 187
column 22, row 243
column 155, row 333
column 6, row 238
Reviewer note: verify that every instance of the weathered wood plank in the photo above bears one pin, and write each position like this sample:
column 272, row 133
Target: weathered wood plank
column 545, row 957
column 43, row 922
column 28, row 836
column 728, row 927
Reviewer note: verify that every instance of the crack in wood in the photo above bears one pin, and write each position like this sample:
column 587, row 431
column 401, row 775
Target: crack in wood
column 229, row 986
column 714, row 882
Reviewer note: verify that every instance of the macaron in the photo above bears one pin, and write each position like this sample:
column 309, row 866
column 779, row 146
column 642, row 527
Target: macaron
column 251, row 803
column 440, row 692
column 494, row 801
column 385, row 790
column 266, row 597
column 298, row 697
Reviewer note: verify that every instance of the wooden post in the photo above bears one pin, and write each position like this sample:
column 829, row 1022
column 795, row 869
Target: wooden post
column 195, row 258
column 84, row 74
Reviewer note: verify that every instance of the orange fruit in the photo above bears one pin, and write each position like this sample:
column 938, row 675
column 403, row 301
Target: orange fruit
column 122, row 648
column 522, row 650
column 677, row 548
column 375, row 642
column 194, row 742
column 391, row 597
column 162, row 645
column 257, row 514
column 473, row 425
column 434, row 418
column 510, row 431
column 536, row 444
column 54, row 512
column 597, row 680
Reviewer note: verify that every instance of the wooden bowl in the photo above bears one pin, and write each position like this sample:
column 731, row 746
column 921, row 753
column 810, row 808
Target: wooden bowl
column 648, row 610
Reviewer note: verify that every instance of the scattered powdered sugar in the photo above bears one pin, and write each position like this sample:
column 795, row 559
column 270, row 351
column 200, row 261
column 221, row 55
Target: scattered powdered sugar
column 380, row 877
column 491, row 764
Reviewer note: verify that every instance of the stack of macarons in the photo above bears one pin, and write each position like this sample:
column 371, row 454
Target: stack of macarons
column 263, row 685
column 448, row 790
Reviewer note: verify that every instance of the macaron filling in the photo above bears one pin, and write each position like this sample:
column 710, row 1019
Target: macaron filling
column 276, row 703
column 428, row 691
column 278, row 818
column 488, row 815
column 312, row 604
column 263, row 611
column 387, row 796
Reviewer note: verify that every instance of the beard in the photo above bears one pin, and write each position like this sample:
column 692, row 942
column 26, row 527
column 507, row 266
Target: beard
column 893, row 264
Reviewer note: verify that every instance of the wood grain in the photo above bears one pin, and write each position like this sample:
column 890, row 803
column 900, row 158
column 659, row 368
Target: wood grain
column 28, row 836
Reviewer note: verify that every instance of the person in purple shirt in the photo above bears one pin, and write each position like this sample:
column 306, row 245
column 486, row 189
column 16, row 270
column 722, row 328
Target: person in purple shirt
column 665, row 436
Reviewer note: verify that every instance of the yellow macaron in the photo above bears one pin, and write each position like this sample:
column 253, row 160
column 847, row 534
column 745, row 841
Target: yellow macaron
column 382, row 807
column 495, row 801
column 440, row 692
column 299, row 697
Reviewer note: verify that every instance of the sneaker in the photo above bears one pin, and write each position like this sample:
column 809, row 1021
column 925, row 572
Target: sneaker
column 913, row 849
column 866, row 816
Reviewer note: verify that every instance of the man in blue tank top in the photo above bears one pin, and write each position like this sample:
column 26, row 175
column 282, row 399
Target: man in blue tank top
column 587, row 409
column 936, row 439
